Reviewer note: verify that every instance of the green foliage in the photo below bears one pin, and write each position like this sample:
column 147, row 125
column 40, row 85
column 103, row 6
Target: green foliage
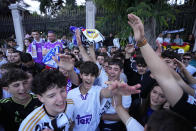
column 71, row 3
column 145, row 9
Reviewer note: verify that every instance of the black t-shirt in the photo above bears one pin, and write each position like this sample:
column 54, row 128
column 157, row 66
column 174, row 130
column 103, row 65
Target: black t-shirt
column 186, row 109
column 12, row 114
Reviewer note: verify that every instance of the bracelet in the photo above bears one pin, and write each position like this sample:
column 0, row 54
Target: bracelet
column 142, row 43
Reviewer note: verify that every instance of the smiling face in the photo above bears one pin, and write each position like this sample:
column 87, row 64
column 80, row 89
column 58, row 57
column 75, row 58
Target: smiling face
column 113, row 72
column 54, row 100
column 19, row 90
column 51, row 37
column 157, row 97
column 141, row 69
column 87, row 81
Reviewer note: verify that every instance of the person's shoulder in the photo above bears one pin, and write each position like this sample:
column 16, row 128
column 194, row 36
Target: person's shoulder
column 35, row 99
column 73, row 92
column 191, row 67
column 38, row 111
column 6, row 100
column 184, row 102
column 96, row 87
column 34, row 117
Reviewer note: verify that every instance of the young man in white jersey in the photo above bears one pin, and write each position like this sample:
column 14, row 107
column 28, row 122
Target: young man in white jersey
column 85, row 106
column 110, row 117
column 49, row 86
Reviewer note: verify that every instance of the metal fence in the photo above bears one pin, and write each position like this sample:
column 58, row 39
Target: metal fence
column 43, row 24
column 59, row 24
column 62, row 23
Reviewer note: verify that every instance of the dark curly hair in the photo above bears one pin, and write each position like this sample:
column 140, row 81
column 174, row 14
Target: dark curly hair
column 116, row 62
column 46, row 80
column 13, row 75
column 89, row 67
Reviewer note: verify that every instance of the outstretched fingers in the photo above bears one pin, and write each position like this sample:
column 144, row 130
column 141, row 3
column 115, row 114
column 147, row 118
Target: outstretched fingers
column 134, row 89
column 63, row 58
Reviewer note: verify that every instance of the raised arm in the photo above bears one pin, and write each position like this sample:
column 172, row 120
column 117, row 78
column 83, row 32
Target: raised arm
column 184, row 71
column 83, row 52
column 92, row 53
column 66, row 64
column 130, row 122
column 158, row 68
column 186, row 88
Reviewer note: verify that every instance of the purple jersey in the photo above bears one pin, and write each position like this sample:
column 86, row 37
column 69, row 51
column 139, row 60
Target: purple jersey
column 49, row 45
column 38, row 45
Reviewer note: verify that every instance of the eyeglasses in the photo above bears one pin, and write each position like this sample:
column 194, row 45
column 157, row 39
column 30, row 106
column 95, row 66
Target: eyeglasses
column 186, row 58
column 76, row 52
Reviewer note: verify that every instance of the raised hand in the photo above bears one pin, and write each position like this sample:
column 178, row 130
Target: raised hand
column 137, row 26
column 78, row 38
column 119, row 88
column 65, row 62
column 180, row 65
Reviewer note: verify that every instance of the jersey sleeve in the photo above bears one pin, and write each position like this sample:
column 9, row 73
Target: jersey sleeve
column 126, row 101
column 70, row 106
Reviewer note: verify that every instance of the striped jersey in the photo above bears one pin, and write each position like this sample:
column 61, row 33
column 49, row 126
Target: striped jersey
column 12, row 113
column 39, row 120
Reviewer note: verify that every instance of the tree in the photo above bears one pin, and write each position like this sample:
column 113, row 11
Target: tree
column 4, row 9
column 52, row 7
column 152, row 12
column 71, row 3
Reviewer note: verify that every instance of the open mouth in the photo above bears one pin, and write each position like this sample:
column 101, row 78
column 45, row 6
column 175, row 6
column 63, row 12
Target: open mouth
column 87, row 82
column 23, row 94
column 61, row 106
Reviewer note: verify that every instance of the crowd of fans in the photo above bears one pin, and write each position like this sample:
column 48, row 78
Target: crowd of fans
column 101, row 87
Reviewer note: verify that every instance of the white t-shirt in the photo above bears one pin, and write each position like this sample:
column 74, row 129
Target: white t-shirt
column 160, row 40
column 101, row 79
column 38, row 120
column 123, row 77
column 84, row 110
column 191, row 69
column 167, row 40
column 133, row 125
column 126, row 102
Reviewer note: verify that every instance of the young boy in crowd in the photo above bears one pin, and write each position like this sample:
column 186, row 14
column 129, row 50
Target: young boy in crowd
column 49, row 86
column 85, row 101
column 111, row 119
column 14, row 109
